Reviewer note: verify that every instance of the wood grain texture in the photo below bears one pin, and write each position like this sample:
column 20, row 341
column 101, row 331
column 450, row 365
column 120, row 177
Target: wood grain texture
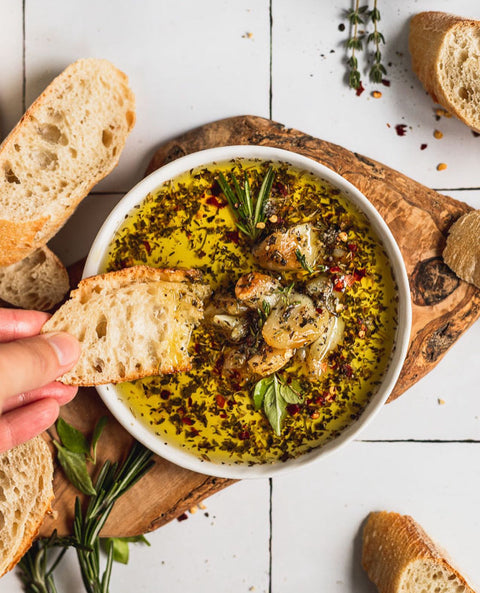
column 443, row 308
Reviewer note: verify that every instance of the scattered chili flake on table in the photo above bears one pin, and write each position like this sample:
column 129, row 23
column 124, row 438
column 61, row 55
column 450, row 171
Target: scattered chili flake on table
column 441, row 166
column 423, row 146
column 376, row 94
column 359, row 90
column 385, row 82
column 401, row 129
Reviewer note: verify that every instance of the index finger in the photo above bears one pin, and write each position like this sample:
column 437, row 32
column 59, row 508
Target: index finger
column 16, row 323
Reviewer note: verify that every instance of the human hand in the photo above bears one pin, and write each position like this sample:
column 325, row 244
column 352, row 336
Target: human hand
column 30, row 397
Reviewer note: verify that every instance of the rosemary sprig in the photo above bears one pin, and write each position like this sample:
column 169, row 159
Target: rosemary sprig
column 250, row 212
column 356, row 16
column 112, row 482
column 302, row 259
column 378, row 70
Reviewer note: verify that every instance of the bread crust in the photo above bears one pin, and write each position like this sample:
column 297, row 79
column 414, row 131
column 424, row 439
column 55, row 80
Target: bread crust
column 19, row 238
column 109, row 283
column 391, row 543
column 462, row 251
column 428, row 34
column 39, row 447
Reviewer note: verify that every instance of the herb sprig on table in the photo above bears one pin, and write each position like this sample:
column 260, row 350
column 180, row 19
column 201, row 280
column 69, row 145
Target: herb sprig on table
column 358, row 16
column 248, row 210
column 114, row 479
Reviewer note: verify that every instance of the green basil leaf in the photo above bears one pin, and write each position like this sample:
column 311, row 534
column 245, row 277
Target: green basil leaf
column 289, row 394
column 75, row 467
column 260, row 390
column 72, row 439
column 274, row 406
column 120, row 549
column 121, row 552
column 97, row 431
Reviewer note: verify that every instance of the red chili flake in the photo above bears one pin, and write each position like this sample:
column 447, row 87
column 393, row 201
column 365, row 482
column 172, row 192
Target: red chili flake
column 220, row 400
column 423, row 146
column 359, row 274
column 233, row 236
column 353, row 247
column 293, row 409
column 222, row 414
column 385, row 82
column 193, row 432
column 360, row 90
column 401, row 129
column 319, row 310
column 165, row 394
column 187, row 421
column 281, row 188
column 320, row 399
column 212, row 201
column 244, row 435
column 182, row 517
column 196, row 347
column 216, row 189
column 146, row 244
column 218, row 366
column 190, row 400
column 335, row 269
column 338, row 284
column 347, row 370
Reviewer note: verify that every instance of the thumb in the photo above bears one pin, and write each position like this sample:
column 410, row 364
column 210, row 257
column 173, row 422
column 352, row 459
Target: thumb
column 33, row 362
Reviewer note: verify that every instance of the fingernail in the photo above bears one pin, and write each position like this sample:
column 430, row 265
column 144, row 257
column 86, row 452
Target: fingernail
column 66, row 348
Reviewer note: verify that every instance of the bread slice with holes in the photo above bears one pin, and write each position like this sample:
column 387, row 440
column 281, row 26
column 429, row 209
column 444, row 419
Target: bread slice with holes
column 445, row 53
column 68, row 140
column 39, row 281
column 400, row 557
column 132, row 323
column 26, row 494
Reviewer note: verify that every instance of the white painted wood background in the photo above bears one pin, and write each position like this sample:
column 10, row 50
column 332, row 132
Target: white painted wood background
column 191, row 62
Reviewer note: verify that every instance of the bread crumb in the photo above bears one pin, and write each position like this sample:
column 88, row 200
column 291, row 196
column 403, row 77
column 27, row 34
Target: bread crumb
column 441, row 166
column 440, row 401
column 193, row 510
column 437, row 134
column 376, row 94
column 201, row 506
column 247, row 35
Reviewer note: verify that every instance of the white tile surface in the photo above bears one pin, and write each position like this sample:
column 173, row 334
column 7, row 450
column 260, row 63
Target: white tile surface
column 11, row 50
column 188, row 62
column 318, row 513
column 309, row 91
column 192, row 62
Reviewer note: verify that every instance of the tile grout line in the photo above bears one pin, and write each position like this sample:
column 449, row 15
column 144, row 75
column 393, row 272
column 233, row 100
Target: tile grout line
column 270, row 515
column 455, row 188
column 24, row 67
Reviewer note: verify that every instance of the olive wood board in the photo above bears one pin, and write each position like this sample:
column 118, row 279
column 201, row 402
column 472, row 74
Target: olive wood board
column 443, row 308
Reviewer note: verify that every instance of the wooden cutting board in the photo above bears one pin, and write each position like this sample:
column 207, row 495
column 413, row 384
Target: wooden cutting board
column 443, row 308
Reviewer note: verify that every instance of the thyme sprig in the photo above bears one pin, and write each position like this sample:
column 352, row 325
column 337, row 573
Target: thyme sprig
column 356, row 16
column 249, row 212
column 378, row 70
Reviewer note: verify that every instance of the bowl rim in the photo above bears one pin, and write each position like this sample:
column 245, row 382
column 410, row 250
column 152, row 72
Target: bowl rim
column 210, row 156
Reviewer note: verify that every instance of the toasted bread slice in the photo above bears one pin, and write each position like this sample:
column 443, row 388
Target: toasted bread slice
column 445, row 53
column 131, row 323
column 39, row 281
column 26, row 494
column 462, row 252
column 399, row 557
column 69, row 139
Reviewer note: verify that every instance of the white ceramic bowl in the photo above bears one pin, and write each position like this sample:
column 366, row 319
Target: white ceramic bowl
column 99, row 251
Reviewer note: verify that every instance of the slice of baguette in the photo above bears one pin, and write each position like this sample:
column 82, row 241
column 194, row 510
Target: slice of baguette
column 69, row 139
column 462, row 252
column 132, row 323
column 39, row 281
column 26, row 494
column 399, row 557
column 445, row 53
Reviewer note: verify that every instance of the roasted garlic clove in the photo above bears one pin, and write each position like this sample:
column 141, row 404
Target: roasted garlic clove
column 254, row 289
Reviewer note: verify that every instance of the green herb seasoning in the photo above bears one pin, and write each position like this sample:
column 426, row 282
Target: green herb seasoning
column 187, row 223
